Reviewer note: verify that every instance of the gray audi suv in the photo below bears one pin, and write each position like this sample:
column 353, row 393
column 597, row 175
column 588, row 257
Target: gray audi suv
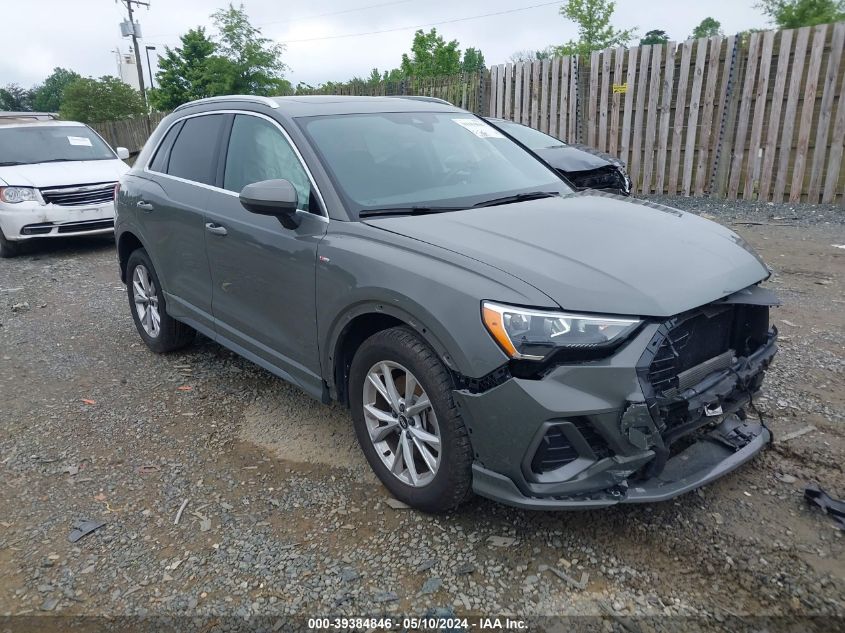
column 490, row 330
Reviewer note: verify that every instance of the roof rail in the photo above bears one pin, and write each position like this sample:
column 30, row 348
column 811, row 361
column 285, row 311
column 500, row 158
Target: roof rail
column 247, row 98
column 424, row 98
column 41, row 116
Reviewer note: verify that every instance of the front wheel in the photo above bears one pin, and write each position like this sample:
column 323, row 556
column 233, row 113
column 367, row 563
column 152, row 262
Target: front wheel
column 407, row 423
column 161, row 332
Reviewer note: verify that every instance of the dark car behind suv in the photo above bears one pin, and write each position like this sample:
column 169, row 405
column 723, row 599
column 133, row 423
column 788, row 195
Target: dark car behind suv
column 581, row 165
column 490, row 330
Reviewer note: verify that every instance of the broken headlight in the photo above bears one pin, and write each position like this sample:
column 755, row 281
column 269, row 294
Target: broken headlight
column 534, row 334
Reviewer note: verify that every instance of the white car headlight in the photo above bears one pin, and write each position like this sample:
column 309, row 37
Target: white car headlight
column 534, row 334
column 14, row 195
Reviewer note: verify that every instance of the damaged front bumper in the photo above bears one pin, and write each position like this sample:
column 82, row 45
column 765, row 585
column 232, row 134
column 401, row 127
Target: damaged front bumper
column 593, row 435
column 725, row 448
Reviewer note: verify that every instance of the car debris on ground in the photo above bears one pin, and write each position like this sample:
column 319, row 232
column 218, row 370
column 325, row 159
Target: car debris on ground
column 834, row 508
column 795, row 434
column 83, row 528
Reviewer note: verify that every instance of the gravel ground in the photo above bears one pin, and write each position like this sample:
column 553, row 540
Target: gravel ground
column 729, row 212
column 281, row 516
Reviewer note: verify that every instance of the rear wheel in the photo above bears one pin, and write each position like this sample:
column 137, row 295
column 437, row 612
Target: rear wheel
column 407, row 423
column 7, row 248
column 160, row 332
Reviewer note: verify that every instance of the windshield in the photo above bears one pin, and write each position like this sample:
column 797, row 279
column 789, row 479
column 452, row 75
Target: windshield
column 26, row 145
column 424, row 159
column 531, row 138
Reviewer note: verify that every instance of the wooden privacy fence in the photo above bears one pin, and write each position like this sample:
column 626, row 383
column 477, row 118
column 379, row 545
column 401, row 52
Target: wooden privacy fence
column 128, row 133
column 757, row 116
column 466, row 90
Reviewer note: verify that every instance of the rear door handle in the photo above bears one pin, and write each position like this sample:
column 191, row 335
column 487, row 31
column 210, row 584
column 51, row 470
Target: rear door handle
column 144, row 206
column 211, row 227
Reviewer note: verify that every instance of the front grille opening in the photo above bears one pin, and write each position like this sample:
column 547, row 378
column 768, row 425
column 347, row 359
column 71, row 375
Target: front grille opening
column 68, row 227
column 556, row 449
column 707, row 340
column 79, row 195
column 750, row 328
column 92, row 225
column 688, row 344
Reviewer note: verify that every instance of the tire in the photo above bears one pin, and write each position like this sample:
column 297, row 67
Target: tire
column 170, row 335
column 399, row 349
column 8, row 248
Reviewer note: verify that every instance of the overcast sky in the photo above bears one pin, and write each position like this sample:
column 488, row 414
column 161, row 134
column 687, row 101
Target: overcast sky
column 82, row 34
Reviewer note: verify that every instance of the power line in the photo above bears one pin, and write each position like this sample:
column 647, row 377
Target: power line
column 323, row 15
column 420, row 26
column 316, row 15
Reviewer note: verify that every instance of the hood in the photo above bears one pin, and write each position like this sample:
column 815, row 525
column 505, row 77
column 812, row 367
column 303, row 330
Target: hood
column 598, row 252
column 575, row 158
column 77, row 172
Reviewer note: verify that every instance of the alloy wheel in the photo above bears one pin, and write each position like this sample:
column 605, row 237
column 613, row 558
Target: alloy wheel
column 401, row 423
column 146, row 301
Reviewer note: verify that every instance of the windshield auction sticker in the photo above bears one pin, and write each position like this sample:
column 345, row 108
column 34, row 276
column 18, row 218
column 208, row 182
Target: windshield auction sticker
column 479, row 128
column 79, row 140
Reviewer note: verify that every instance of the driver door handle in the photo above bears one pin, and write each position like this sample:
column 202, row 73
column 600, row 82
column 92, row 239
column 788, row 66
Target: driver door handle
column 211, row 227
column 144, row 206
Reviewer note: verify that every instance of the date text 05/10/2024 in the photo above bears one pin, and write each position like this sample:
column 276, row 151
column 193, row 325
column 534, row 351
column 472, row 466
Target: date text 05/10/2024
column 419, row 624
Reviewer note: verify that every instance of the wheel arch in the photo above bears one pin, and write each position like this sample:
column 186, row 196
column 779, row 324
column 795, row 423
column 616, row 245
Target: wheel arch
column 127, row 244
column 357, row 325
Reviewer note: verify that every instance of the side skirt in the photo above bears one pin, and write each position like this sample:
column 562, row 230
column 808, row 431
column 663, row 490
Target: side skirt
column 316, row 391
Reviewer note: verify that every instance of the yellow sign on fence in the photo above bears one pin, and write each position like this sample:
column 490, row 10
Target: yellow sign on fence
column 620, row 89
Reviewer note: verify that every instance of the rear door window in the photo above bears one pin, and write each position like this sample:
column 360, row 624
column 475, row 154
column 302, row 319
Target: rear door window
column 194, row 154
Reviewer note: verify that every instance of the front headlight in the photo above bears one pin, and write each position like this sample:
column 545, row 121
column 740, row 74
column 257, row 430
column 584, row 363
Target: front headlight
column 14, row 195
column 534, row 334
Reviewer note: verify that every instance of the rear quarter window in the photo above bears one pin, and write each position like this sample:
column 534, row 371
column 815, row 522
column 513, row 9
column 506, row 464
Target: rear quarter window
column 194, row 153
column 159, row 161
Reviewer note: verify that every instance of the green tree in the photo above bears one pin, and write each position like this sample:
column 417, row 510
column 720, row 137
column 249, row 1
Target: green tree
column 238, row 60
column 530, row 55
column 183, row 71
column 473, row 61
column 708, row 28
column 375, row 77
column 792, row 14
column 431, row 55
column 106, row 99
column 47, row 97
column 15, row 98
column 246, row 62
column 654, row 37
column 594, row 29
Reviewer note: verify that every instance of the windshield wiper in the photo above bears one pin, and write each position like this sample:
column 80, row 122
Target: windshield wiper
column 416, row 210
column 37, row 162
column 519, row 197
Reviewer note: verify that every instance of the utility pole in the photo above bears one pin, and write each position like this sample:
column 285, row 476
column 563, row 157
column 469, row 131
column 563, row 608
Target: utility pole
column 138, row 66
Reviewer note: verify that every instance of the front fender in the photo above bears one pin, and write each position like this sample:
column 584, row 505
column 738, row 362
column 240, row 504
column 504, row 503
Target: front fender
column 363, row 269
column 401, row 308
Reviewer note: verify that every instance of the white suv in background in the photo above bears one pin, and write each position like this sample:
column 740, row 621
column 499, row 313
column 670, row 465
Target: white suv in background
column 57, row 179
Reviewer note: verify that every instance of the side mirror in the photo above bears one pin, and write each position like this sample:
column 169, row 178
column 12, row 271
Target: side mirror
column 122, row 153
column 272, row 197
